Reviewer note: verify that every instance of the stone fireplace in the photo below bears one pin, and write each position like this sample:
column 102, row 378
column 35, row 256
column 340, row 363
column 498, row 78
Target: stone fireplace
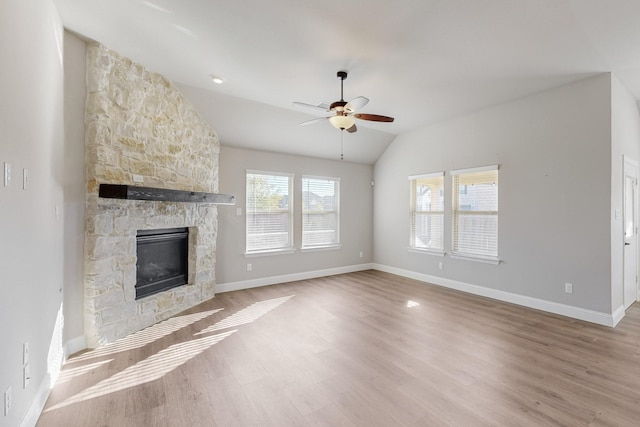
column 141, row 131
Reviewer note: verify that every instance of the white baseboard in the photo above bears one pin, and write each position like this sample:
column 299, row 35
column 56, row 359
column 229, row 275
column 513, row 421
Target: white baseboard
column 618, row 315
column 74, row 345
column 273, row 280
column 37, row 405
column 597, row 317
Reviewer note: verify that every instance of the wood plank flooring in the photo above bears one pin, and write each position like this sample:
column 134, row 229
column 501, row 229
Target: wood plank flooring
column 360, row 349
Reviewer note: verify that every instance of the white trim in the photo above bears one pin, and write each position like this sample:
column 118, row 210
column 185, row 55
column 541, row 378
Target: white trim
column 273, row 280
column 321, row 248
column 436, row 252
column 37, row 404
column 320, row 177
column 476, row 258
column 475, row 170
column 74, row 345
column 425, row 175
column 592, row 316
column 269, row 252
column 268, row 173
column 618, row 315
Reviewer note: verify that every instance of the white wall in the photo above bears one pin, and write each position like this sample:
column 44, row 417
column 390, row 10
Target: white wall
column 554, row 152
column 625, row 141
column 31, row 235
column 356, row 218
column 74, row 191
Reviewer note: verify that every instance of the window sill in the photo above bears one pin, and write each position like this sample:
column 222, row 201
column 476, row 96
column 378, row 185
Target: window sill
column 427, row 251
column 476, row 258
column 321, row 248
column 285, row 251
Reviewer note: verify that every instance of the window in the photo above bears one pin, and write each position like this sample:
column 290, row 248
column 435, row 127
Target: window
column 475, row 212
column 320, row 212
column 269, row 211
column 427, row 212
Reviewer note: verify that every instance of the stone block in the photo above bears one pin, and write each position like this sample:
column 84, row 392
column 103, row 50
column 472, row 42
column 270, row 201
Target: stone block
column 116, row 314
column 108, row 300
column 131, row 144
column 97, row 133
column 128, row 225
column 164, row 300
column 208, row 290
column 203, row 276
column 148, row 305
column 102, row 224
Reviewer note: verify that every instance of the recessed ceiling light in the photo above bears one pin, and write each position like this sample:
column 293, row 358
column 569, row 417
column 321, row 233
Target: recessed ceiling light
column 217, row 79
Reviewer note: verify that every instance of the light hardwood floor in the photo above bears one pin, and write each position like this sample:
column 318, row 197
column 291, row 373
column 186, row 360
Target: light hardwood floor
column 360, row 349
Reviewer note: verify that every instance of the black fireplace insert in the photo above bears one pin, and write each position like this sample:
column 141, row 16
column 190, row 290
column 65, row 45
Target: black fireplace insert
column 163, row 260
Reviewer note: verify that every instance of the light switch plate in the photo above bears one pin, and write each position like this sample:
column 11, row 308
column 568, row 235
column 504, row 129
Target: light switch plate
column 7, row 174
column 7, row 401
column 26, row 349
column 26, row 376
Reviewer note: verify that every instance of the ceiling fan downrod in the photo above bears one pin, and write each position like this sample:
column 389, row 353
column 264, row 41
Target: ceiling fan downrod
column 338, row 106
column 342, row 75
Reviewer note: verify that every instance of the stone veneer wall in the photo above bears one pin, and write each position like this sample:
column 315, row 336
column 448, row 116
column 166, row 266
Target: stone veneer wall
column 138, row 123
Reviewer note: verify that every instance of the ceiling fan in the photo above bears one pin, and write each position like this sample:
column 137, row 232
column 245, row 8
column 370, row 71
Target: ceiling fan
column 344, row 112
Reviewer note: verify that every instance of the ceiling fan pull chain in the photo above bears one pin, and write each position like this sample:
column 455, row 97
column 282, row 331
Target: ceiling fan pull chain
column 342, row 144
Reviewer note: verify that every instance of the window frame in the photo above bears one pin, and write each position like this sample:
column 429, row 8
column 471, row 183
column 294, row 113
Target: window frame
column 414, row 212
column 289, row 247
column 457, row 213
column 336, row 185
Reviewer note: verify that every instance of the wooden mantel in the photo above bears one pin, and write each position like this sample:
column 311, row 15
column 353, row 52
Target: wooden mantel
column 132, row 192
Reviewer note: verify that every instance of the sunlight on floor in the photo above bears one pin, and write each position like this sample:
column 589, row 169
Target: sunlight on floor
column 247, row 315
column 159, row 364
column 68, row 374
column 145, row 336
column 147, row 370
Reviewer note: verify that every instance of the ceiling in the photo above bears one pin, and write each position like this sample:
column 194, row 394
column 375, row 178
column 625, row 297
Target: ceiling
column 419, row 61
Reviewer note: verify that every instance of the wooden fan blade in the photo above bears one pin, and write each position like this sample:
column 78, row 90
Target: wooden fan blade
column 373, row 117
column 356, row 103
column 321, row 108
column 352, row 129
column 312, row 121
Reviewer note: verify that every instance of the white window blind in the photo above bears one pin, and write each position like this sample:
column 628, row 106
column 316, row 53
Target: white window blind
column 427, row 212
column 269, row 211
column 320, row 212
column 475, row 212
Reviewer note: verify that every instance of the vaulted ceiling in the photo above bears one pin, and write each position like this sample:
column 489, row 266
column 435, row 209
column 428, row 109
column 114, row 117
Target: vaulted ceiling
column 419, row 61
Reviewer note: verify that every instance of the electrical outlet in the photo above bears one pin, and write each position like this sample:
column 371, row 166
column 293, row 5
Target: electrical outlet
column 568, row 288
column 25, row 352
column 7, row 401
column 440, row 265
column 26, row 376
column 249, row 267
column 361, row 254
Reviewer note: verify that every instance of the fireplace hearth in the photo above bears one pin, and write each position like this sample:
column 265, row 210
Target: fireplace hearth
column 162, row 260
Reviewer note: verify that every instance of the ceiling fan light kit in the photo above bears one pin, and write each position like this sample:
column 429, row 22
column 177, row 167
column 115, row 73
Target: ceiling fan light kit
column 344, row 112
column 342, row 122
